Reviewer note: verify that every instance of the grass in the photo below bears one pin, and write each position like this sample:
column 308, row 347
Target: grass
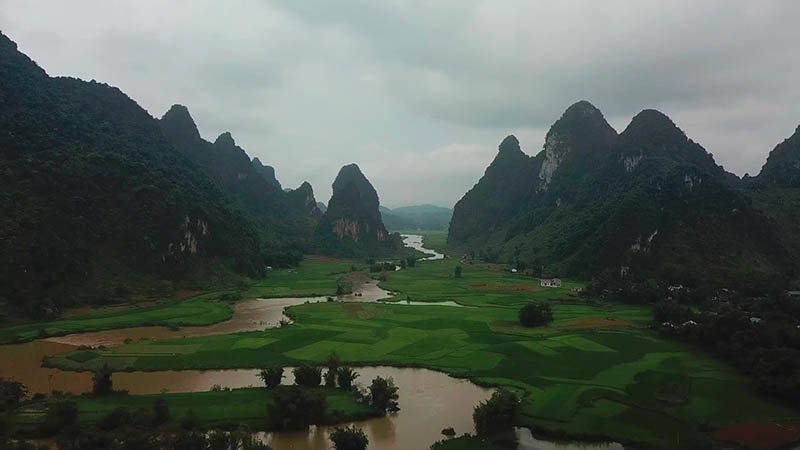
column 200, row 310
column 313, row 277
column 248, row 405
column 310, row 278
column 596, row 371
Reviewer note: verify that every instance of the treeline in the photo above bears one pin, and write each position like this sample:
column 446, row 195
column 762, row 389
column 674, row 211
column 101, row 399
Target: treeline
column 758, row 334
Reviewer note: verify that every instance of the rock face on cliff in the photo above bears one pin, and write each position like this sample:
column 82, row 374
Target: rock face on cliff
column 649, row 200
column 352, row 223
column 281, row 219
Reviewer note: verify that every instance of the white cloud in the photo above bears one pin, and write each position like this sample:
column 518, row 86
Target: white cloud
column 420, row 93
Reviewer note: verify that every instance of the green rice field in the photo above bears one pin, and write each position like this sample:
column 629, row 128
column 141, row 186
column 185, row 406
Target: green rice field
column 597, row 371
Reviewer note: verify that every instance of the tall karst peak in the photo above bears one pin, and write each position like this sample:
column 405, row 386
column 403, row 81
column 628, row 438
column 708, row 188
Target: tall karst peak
column 579, row 137
column 178, row 123
column 352, row 223
column 654, row 123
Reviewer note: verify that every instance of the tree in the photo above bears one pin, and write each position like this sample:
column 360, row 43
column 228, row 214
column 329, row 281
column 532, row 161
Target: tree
column 11, row 394
column 403, row 264
column 115, row 419
column 535, row 314
column 101, row 381
column 349, row 438
column 333, row 369
column 383, row 394
column 161, row 413
column 345, row 377
column 307, row 376
column 189, row 420
column 59, row 415
column 411, row 261
column 271, row 376
column 497, row 414
column 458, row 270
column 295, row 407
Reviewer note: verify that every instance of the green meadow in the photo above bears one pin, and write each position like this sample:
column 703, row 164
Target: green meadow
column 248, row 405
column 595, row 372
column 311, row 278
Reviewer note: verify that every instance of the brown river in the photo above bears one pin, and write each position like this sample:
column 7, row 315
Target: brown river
column 429, row 400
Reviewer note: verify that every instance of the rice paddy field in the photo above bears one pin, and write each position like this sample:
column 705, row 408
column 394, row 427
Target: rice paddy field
column 316, row 276
column 596, row 372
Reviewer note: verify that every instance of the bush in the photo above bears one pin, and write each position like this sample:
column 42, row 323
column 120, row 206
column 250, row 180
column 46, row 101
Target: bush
column 535, row 314
column 497, row 414
column 161, row 413
column 295, row 407
column 458, row 271
column 383, row 394
column 345, row 377
column 349, row 438
column 101, row 381
column 59, row 415
column 115, row 419
column 333, row 370
column 11, row 394
column 307, row 376
column 271, row 376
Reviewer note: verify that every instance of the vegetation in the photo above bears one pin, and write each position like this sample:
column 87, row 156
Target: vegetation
column 383, row 394
column 101, row 381
column 535, row 314
column 598, row 364
column 496, row 415
column 11, row 394
column 98, row 204
column 648, row 202
column 345, row 377
column 307, row 376
column 349, row 438
column 296, row 407
column 271, row 376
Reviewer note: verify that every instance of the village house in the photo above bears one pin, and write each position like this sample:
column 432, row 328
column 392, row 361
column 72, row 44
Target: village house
column 550, row 282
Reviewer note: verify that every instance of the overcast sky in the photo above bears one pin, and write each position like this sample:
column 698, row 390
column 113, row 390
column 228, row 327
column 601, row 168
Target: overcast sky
column 420, row 93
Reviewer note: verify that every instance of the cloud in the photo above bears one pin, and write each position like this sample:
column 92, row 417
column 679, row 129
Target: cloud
column 420, row 93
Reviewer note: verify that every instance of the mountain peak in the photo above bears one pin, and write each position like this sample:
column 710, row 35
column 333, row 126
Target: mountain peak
column 582, row 108
column 225, row 139
column 177, row 122
column 509, row 144
column 266, row 172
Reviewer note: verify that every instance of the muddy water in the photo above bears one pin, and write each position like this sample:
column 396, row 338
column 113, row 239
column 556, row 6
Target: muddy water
column 429, row 401
column 415, row 241
column 22, row 362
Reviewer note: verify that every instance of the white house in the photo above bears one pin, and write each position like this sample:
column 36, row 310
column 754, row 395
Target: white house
column 550, row 282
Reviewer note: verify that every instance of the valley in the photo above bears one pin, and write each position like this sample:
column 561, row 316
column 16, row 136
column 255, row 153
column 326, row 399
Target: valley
column 594, row 366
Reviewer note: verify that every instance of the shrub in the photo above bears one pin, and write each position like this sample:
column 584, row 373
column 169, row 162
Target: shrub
column 295, row 407
column 271, row 376
column 535, row 314
column 497, row 414
column 161, row 413
column 383, row 394
column 345, row 377
column 349, row 438
column 115, row 419
column 307, row 376
column 101, row 381
column 11, row 394
column 59, row 415
column 333, row 369
column 458, row 271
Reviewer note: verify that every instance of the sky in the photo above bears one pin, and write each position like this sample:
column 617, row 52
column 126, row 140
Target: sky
column 420, row 93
